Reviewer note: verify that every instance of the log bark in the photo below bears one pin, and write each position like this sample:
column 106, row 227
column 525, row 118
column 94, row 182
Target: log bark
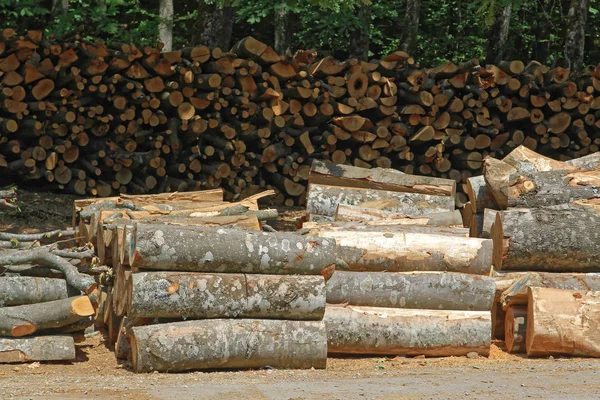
column 37, row 348
column 480, row 196
column 19, row 290
column 387, row 231
column 348, row 213
column 200, row 296
column 198, row 249
column 498, row 34
column 515, row 329
column 165, row 28
column 408, row 41
column 586, row 163
column 563, row 322
column 528, row 161
column 26, row 319
column 489, row 217
column 575, row 35
column 425, row 290
column 324, row 200
column 392, row 331
column 234, row 344
column 551, row 239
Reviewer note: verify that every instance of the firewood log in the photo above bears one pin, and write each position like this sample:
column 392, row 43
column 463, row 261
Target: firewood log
column 586, row 163
column 37, row 348
column 348, row 213
column 19, row 290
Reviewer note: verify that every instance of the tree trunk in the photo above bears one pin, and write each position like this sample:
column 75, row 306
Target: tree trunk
column 200, row 296
column 360, row 39
column 498, row 35
column 556, row 239
column 410, row 31
column 165, row 28
column 27, row 319
column 392, row 331
column 587, row 163
column 19, row 290
column 416, row 252
column 59, row 7
column 37, row 348
column 425, row 290
column 283, row 33
column 575, row 37
column 214, row 26
column 541, row 45
column 323, row 200
column 563, row 322
column 197, row 249
column 229, row 344
column 515, row 329
column 347, row 213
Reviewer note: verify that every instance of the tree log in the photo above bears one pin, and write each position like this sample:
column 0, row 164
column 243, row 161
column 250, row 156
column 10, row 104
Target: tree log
column 527, row 161
column 587, row 163
column 199, row 296
column 418, row 290
column 515, row 329
column 392, row 331
column 380, row 230
column 37, row 348
column 480, row 196
column 19, row 290
column 496, row 175
column 347, row 212
column 229, row 344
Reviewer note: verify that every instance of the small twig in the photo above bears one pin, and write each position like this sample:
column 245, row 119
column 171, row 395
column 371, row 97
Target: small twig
column 268, row 228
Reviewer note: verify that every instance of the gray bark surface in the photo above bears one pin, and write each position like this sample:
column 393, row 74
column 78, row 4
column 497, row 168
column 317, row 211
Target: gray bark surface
column 360, row 38
column 586, row 163
column 575, row 37
column 283, row 34
column 375, row 230
column 434, row 290
column 373, row 330
column 479, row 194
column 37, row 348
column 165, row 28
column 410, row 30
column 489, row 217
column 347, row 213
column 229, row 344
column 182, row 248
column 18, row 290
column 496, row 174
column 496, row 50
column 201, row 296
column 215, row 26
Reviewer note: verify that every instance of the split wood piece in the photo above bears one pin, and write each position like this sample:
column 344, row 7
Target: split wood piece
column 586, row 163
column 515, row 329
column 548, row 188
column 527, row 161
column 19, row 290
column 248, row 221
column 26, row 319
column 496, row 174
column 504, row 280
column 321, row 230
column 392, row 331
column 197, row 249
column 516, row 294
column 480, row 197
column 551, row 239
column 325, row 173
column 234, row 344
column 37, row 348
column 417, row 290
column 324, row 200
column 414, row 252
column 44, row 257
column 201, row 296
column 563, row 322
column 347, row 212
column 261, row 215
column 489, row 217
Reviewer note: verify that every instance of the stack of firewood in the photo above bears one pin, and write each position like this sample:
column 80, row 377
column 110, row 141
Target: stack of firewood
column 410, row 280
column 198, row 285
column 542, row 215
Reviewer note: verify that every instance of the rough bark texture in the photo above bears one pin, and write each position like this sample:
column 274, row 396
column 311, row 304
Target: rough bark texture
column 575, row 37
column 372, row 330
column 550, row 188
column 563, row 322
column 37, row 348
column 360, row 39
column 410, row 28
column 496, row 50
column 515, row 329
column 326, row 173
column 283, row 34
column 348, row 213
column 324, row 200
column 516, row 293
column 18, row 290
column 215, row 25
column 489, row 217
column 234, row 344
column 200, row 296
column 27, row 319
column 165, row 28
column 553, row 239
column 182, row 248
column 479, row 194
column 586, row 163
column 528, row 161
column 358, row 229
column 425, row 290
column 496, row 174
column 417, row 252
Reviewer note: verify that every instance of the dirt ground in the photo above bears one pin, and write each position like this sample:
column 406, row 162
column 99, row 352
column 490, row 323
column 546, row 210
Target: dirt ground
column 96, row 374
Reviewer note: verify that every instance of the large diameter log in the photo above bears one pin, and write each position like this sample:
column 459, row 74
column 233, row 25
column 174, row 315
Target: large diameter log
column 326, row 173
column 515, row 329
column 563, row 322
column 200, row 296
column 528, row 161
column 392, row 331
column 480, row 196
column 346, row 212
column 552, row 239
column 586, row 163
column 516, row 293
column 37, row 348
column 229, row 344
column 547, row 188
column 197, row 249
column 18, row 290
column 407, row 252
column 496, row 174
column 27, row 319
column 324, row 200
column 418, row 290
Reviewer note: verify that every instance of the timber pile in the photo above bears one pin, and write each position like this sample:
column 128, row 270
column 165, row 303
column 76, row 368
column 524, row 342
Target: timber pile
column 410, row 280
column 198, row 284
column 102, row 119
column 542, row 215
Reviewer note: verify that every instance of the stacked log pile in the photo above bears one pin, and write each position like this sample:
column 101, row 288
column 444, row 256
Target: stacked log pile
column 410, row 280
column 198, row 284
column 102, row 119
column 542, row 215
